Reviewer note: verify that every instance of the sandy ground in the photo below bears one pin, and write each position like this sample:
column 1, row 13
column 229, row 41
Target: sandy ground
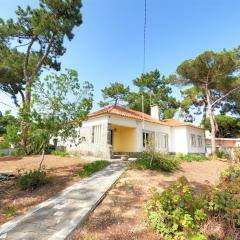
column 63, row 171
column 120, row 216
column 32, row 162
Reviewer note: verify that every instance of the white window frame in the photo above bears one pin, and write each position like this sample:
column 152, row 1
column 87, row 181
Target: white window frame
column 193, row 140
column 200, row 142
column 161, row 141
column 145, row 142
column 96, row 134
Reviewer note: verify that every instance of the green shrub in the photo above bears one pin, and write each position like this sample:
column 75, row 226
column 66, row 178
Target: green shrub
column 90, row 168
column 221, row 154
column 10, row 210
column 155, row 161
column 237, row 153
column 17, row 153
column 175, row 214
column 224, row 201
column 60, row 153
column 2, row 154
column 191, row 157
column 32, row 179
column 232, row 173
column 4, row 145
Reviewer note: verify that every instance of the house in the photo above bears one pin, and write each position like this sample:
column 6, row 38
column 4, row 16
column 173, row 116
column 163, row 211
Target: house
column 223, row 144
column 119, row 130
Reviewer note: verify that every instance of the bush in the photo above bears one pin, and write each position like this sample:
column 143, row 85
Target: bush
column 179, row 214
column 232, row 173
column 237, row 153
column 9, row 211
column 221, row 154
column 60, row 153
column 191, row 157
column 2, row 154
column 4, row 145
column 90, row 168
column 32, row 179
column 17, row 153
column 155, row 161
column 175, row 214
column 224, row 200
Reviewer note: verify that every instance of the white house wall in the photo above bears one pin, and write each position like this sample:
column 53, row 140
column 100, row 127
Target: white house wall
column 153, row 127
column 140, row 127
column 179, row 138
column 86, row 146
column 196, row 132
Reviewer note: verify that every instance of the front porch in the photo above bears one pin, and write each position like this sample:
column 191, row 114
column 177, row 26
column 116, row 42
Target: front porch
column 123, row 139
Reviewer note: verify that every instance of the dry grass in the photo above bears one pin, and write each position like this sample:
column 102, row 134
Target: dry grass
column 120, row 216
column 63, row 171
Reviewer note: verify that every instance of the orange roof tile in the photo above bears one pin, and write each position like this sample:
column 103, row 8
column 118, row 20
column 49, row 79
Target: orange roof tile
column 129, row 113
column 178, row 123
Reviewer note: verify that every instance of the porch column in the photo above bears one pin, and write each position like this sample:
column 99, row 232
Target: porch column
column 108, row 136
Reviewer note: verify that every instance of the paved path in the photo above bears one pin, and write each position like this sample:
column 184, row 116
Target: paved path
column 57, row 217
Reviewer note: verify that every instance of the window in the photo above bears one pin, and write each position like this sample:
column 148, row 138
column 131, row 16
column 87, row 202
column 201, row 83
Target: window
column 193, row 140
column 161, row 141
column 148, row 139
column 96, row 134
column 199, row 141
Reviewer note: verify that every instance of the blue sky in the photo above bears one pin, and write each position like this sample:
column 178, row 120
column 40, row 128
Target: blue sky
column 108, row 46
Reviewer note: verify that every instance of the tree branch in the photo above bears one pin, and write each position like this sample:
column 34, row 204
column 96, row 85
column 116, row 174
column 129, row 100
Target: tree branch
column 22, row 96
column 27, row 58
column 224, row 96
column 22, row 45
column 39, row 64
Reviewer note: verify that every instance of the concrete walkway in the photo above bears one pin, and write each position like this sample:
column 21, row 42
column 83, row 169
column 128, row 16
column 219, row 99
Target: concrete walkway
column 57, row 217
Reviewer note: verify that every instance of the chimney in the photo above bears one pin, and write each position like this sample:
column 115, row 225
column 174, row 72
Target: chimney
column 155, row 112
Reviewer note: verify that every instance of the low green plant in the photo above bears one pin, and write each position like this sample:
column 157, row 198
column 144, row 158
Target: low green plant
column 191, row 157
column 2, row 154
column 90, row 168
column 237, row 153
column 32, row 179
column 155, row 161
column 175, row 214
column 17, row 152
column 60, row 153
column 4, row 145
column 232, row 173
column 221, row 154
column 224, row 201
column 10, row 210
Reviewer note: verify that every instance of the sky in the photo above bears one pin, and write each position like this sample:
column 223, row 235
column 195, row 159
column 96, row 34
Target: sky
column 108, row 46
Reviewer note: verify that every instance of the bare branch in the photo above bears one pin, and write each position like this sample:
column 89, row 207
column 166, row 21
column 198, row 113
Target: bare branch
column 44, row 56
column 224, row 96
column 8, row 105
column 22, row 45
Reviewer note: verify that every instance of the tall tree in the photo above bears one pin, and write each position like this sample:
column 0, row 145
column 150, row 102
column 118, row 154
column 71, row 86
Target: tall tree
column 114, row 94
column 11, row 72
column 53, row 113
column 228, row 127
column 193, row 103
column 156, row 90
column 40, row 32
column 216, row 75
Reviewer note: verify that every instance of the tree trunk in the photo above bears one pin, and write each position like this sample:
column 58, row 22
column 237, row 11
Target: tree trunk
column 26, row 110
column 212, row 123
column 43, row 155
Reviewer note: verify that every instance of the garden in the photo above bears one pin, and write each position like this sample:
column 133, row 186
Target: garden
column 28, row 185
column 170, row 197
